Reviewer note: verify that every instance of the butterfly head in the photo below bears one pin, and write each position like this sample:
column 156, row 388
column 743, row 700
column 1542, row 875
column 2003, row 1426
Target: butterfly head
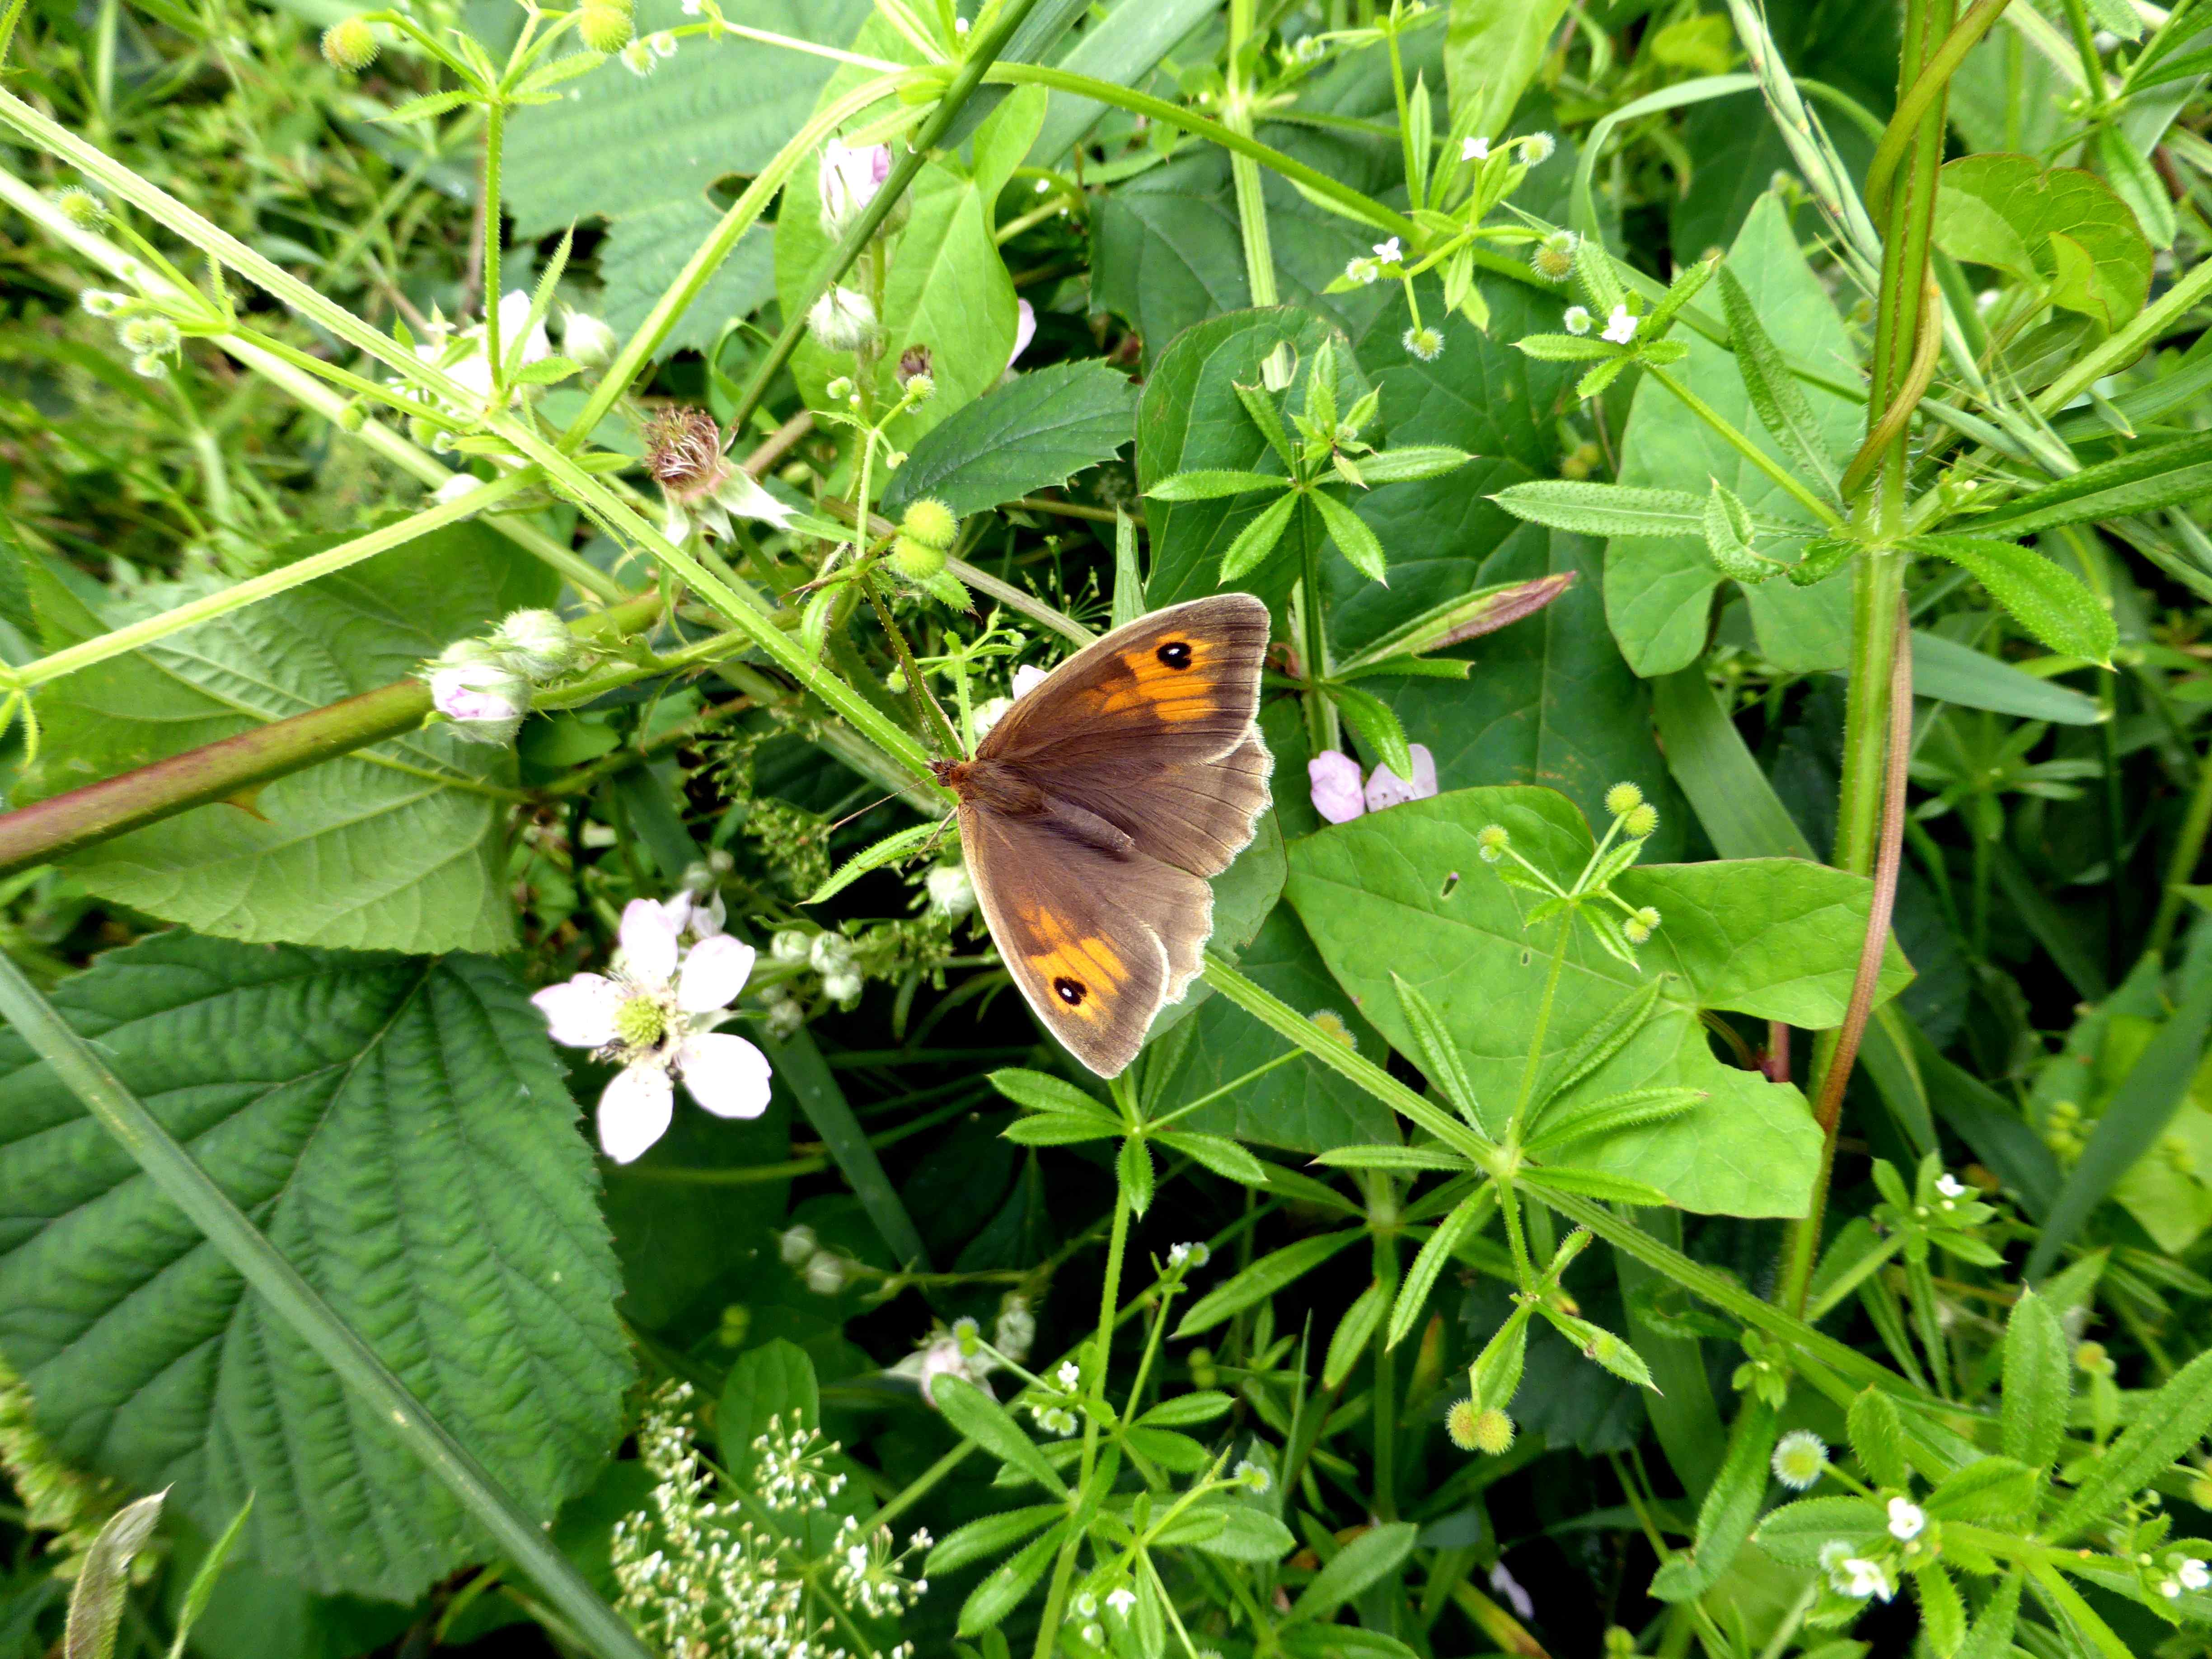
column 951, row 774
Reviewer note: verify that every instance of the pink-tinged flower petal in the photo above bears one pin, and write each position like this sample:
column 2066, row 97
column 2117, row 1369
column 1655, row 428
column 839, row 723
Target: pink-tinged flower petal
column 1027, row 678
column 713, row 973
column 581, row 1010
column 726, row 1074
column 1387, row 788
column 634, row 1112
column 1024, row 330
column 648, row 943
column 1335, row 779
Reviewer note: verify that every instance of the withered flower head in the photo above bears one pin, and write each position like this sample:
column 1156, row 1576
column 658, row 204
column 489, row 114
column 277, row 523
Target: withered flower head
column 684, row 451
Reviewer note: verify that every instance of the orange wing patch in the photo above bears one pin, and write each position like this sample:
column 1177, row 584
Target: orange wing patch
column 1174, row 680
column 1085, row 975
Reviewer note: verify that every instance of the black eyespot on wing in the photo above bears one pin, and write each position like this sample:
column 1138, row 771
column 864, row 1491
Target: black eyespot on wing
column 1070, row 991
column 1175, row 653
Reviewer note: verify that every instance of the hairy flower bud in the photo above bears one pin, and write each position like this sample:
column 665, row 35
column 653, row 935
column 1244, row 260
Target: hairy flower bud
column 349, row 45
column 587, row 340
column 485, row 700
column 537, row 643
column 843, row 320
column 852, row 174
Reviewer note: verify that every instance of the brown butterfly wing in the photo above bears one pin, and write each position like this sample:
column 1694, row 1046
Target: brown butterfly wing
column 1096, row 943
column 1151, row 728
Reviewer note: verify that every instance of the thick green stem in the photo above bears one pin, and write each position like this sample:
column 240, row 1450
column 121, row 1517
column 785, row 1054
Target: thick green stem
column 1244, row 171
column 177, row 1177
column 235, row 767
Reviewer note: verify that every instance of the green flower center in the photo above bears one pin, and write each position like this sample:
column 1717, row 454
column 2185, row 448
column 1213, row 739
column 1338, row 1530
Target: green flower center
column 639, row 1022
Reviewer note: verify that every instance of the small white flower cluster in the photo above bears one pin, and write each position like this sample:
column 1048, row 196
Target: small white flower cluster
column 2189, row 1574
column 871, row 1571
column 1189, row 1258
column 793, row 1472
column 1054, row 1416
column 691, row 1582
column 696, row 1585
column 1365, row 270
column 1855, row 1575
column 1255, row 1477
column 829, row 955
column 824, row 1271
column 641, row 57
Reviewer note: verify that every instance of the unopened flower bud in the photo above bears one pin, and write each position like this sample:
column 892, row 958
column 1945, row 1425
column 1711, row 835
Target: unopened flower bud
column 349, row 45
column 825, row 1273
column 587, row 340
column 842, row 320
column 637, row 59
column 797, row 1244
column 353, row 414
column 538, row 643
column 149, row 368
column 484, row 700
column 102, row 302
column 1623, row 799
column 149, row 336
column 852, row 174
column 791, row 945
column 843, row 988
column 1641, row 821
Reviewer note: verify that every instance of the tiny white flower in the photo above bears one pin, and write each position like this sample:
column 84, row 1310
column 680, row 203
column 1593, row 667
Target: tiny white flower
column 1950, row 1186
column 661, row 43
column 1389, row 252
column 1027, row 678
column 1907, row 1520
column 1577, row 319
column 637, row 58
column 1864, row 1578
column 1474, row 149
column 2194, row 1575
column 1069, row 1376
column 1362, row 270
column 960, row 26
column 2170, row 1588
column 654, row 1015
column 1121, row 1598
column 797, row 1244
column 1620, row 327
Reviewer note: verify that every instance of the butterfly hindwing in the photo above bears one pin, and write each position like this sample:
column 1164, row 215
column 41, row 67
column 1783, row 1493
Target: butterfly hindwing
column 1096, row 943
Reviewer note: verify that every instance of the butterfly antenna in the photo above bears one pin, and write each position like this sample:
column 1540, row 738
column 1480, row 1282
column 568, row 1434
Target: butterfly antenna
column 857, row 812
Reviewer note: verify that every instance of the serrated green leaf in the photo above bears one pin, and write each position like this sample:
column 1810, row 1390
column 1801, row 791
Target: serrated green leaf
column 1604, row 509
column 1224, row 1157
column 399, row 846
column 1451, row 1232
column 1210, row 484
column 990, row 1426
column 2051, row 603
column 1376, row 724
column 1495, row 1377
column 1376, row 1551
column 1257, row 539
column 1037, row 431
column 1437, row 1056
column 1877, row 1434
column 205, row 1577
column 2039, row 1382
column 986, row 1536
column 1353, row 538
column 775, row 1381
column 1014, row 1579
column 1730, row 1508
column 1354, row 1331
column 399, row 1129
column 2166, row 1425
column 1133, row 1167
column 1778, row 400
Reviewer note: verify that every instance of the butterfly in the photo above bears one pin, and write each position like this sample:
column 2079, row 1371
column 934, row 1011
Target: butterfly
column 1092, row 812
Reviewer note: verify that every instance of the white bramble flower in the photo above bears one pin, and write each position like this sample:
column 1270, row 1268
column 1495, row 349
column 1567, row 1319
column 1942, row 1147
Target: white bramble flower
column 1620, row 327
column 1801, row 1458
column 1577, row 319
column 1907, row 1520
column 1027, row 678
column 946, row 1355
column 654, row 1014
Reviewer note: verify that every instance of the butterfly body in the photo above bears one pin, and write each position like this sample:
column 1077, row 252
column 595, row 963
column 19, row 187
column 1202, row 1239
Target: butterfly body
column 1092, row 813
